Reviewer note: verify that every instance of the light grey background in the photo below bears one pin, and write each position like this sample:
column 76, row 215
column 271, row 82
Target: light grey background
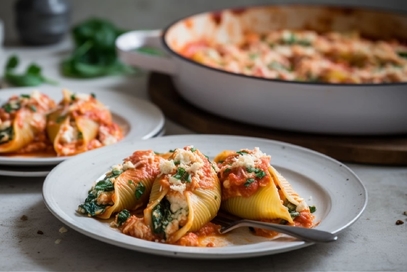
column 156, row 14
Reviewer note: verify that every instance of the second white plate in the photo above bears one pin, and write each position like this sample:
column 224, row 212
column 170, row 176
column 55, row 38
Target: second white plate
column 338, row 194
column 138, row 118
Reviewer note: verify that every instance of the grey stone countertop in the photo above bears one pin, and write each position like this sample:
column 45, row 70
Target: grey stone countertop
column 31, row 237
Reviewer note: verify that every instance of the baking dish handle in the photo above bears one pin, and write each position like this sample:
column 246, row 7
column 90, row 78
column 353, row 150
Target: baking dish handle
column 128, row 47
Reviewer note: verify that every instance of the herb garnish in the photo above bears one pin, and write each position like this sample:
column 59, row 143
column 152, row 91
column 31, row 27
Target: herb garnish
column 182, row 175
column 259, row 173
column 248, row 182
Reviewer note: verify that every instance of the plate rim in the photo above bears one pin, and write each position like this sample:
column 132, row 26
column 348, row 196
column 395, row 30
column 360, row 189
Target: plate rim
column 199, row 253
column 154, row 112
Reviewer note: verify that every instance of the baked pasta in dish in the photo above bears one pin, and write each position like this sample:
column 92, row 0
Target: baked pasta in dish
column 304, row 55
column 81, row 123
column 253, row 189
column 23, row 123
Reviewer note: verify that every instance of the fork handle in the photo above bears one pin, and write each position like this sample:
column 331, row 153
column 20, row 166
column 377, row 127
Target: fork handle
column 310, row 235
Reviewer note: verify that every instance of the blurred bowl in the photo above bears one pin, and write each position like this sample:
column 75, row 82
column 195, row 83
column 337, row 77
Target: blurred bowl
column 344, row 109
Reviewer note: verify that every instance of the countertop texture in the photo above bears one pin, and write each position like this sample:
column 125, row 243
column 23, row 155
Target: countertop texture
column 31, row 238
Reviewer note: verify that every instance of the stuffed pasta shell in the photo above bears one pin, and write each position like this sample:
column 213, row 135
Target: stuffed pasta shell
column 23, row 122
column 253, row 189
column 81, row 123
column 125, row 186
column 184, row 198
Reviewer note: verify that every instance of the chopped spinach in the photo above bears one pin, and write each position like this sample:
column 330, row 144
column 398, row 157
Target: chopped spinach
column 8, row 131
column 312, row 209
column 182, row 175
column 10, row 107
column 140, row 189
column 294, row 214
column 259, row 173
column 90, row 206
column 161, row 216
column 122, row 217
column 248, row 182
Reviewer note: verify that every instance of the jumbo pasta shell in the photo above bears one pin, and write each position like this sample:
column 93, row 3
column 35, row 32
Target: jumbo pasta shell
column 265, row 204
column 23, row 132
column 288, row 191
column 125, row 196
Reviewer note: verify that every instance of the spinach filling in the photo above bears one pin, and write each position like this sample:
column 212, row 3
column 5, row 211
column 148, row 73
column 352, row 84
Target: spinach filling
column 10, row 107
column 6, row 134
column 91, row 206
column 140, row 190
column 161, row 216
column 122, row 217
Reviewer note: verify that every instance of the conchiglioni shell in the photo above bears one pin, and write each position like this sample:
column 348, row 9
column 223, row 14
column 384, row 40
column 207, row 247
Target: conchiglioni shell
column 88, row 128
column 288, row 191
column 157, row 194
column 264, row 204
column 223, row 155
column 125, row 187
column 54, row 125
column 22, row 135
column 203, row 205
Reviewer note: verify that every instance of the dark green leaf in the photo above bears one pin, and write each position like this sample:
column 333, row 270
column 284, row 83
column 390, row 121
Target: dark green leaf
column 122, row 217
column 161, row 216
column 140, row 190
column 312, row 209
column 104, row 185
column 34, row 69
column 402, row 54
column 248, row 182
column 182, row 175
column 12, row 62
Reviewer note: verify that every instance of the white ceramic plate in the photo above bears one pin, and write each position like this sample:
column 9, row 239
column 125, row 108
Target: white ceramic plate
column 338, row 194
column 38, row 170
column 139, row 119
column 25, row 171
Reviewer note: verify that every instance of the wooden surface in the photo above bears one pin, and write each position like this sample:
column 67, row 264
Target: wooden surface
column 385, row 150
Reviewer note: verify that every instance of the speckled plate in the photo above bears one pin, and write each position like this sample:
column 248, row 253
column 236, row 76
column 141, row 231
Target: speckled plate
column 139, row 119
column 338, row 194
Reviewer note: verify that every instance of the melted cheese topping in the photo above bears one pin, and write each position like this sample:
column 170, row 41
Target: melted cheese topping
column 248, row 160
column 188, row 160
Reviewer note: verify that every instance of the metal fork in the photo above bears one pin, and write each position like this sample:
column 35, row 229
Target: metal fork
column 304, row 234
